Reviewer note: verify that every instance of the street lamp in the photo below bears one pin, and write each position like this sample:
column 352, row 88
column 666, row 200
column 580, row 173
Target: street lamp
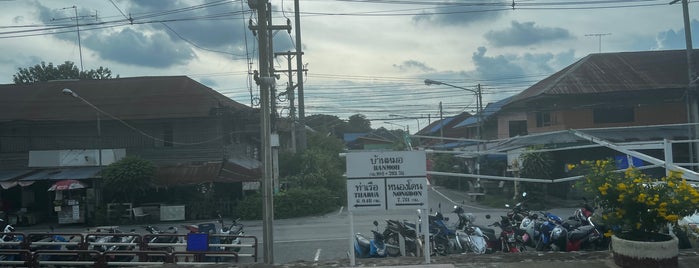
column 479, row 101
column 479, row 114
column 69, row 92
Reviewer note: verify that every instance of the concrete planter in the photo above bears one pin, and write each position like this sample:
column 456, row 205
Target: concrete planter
column 661, row 253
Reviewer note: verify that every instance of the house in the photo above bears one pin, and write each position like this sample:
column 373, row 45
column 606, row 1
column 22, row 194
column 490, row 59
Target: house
column 604, row 90
column 621, row 105
column 192, row 134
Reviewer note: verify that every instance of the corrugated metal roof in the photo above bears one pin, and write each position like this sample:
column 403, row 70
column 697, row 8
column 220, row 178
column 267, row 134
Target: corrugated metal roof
column 65, row 173
column 616, row 72
column 125, row 98
column 487, row 112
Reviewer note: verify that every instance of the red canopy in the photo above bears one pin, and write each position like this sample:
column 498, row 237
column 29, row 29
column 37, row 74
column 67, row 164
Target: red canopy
column 66, row 185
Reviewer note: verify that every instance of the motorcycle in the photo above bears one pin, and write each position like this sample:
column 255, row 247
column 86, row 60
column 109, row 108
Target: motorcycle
column 169, row 237
column 550, row 230
column 511, row 239
column 479, row 239
column 441, row 237
column 531, row 225
column 235, row 228
column 8, row 240
column 518, row 212
column 374, row 248
column 396, row 229
column 119, row 241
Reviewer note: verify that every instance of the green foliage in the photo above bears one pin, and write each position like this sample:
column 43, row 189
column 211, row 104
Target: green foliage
column 358, row 123
column 67, row 70
column 446, row 163
column 127, row 179
column 537, row 165
column 300, row 202
column 295, row 202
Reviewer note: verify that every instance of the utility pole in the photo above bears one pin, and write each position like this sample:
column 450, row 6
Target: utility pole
column 299, row 76
column 692, row 94
column 441, row 124
column 599, row 36
column 266, row 82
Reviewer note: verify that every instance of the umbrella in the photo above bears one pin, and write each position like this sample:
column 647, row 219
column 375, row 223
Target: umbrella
column 66, row 185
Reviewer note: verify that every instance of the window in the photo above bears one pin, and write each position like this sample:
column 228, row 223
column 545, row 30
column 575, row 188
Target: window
column 544, row 119
column 518, row 128
column 613, row 115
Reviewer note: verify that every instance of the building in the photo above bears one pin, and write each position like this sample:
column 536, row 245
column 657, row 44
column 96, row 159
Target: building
column 69, row 129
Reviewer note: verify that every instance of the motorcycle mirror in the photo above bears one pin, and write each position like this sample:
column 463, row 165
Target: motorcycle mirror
column 376, row 223
column 507, row 205
column 487, row 216
column 524, row 194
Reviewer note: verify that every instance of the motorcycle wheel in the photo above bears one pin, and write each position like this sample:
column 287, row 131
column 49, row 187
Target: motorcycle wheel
column 440, row 248
column 392, row 246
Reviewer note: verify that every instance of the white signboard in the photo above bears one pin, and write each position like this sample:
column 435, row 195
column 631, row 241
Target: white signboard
column 366, row 194
column 386, row 164
column 406, row 193
column 386, row 180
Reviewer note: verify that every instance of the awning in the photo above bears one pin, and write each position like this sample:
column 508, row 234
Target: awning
column 66, row 173
column 8, row 178
column 232, row 170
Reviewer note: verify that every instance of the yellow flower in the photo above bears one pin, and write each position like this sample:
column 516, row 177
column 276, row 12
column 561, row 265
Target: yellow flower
column 621, row 187
column 672, row 218
column 608, row 233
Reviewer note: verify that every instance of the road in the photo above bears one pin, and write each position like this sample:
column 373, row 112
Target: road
column 327, row 237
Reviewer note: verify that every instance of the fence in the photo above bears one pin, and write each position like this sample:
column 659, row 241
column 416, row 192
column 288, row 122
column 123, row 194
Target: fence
column 120, row 249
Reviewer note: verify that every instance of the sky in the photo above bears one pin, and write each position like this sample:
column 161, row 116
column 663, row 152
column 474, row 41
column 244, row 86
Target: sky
column 362, row 57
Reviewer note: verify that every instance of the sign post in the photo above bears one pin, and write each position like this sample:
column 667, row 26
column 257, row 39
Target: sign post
column 384, row 180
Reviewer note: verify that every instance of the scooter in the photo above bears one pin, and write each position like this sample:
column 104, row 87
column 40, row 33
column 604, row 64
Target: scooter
column 374, row 248
column 8, row 240
column 482, row 239
column 236, row 228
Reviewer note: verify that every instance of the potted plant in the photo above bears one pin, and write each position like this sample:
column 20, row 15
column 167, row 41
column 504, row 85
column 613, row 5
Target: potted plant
column 639, row 211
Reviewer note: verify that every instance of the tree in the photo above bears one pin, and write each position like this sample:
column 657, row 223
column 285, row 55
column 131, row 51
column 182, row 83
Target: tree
column 128, row 178
column 67, row 70
column 358, row 123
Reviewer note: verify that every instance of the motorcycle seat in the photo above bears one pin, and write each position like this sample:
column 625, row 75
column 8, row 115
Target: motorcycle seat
column 362, row 241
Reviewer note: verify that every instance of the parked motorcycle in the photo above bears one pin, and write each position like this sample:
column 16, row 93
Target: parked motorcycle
column 394, row 230
column 9, row 240
column 167, row 237
column 551, row 229
column 235, row 228
column 511, row 238
column 480, row 239
column 370, row 248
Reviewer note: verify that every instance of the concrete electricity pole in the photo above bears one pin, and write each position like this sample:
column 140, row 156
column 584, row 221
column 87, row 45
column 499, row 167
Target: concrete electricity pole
column 266, row 82
column 299, row 75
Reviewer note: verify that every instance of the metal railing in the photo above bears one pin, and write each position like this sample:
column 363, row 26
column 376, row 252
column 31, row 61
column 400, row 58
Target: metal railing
column 91, row 249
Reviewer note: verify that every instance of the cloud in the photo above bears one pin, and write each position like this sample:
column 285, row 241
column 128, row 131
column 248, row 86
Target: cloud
column 510, row 66
column 525, row 34
column 136, row 48
column 413, row 65
column 461, row 13
column 672, row 39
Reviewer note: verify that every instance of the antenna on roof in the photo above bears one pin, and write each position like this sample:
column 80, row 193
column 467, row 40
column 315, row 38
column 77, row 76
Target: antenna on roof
column 599, row 36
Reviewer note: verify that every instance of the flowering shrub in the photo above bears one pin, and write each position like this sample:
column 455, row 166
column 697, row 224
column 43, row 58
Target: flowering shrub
column 633, row 202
